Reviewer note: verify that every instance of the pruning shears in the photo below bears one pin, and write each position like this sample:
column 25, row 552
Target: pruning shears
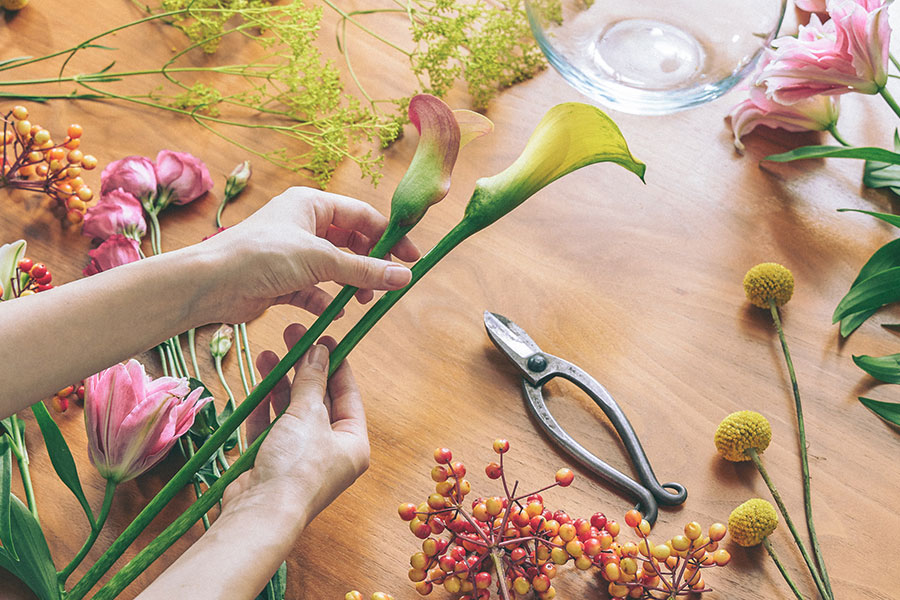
column 537, row 368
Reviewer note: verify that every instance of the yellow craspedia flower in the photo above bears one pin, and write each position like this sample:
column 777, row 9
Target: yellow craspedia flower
column 752, row 522
column 742, row 430
column 768, row 281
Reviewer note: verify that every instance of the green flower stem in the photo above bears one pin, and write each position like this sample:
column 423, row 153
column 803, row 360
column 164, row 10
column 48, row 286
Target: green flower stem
column 771, row 550
column 173, row 365
column 230, row 403
column 22, row 460
column 837, row 136
column 179, row 354
column 220, row 211
column 192, row 347
column 214, row 442
column 96, row 526
column 240, row 355
column 456, row 235
column 162, row 360
column 179, row 527
column 188, row 446
column 890, row 100
column 246, row 342
column 804, row 459
column 820, row 585
column 894, row 60
column 155, row 233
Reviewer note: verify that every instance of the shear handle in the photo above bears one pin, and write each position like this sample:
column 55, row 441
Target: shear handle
column 563, row 368
column 535, row 400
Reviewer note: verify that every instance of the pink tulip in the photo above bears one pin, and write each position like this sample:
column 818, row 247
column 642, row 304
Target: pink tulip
column 134, row 174
column 848, row 53
column 813, row 6
column 817, row 113
column 133, row 421
column 182, row 178
column 117, row 212
column 116, row 250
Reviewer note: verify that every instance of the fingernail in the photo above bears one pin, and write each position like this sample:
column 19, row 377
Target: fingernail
column 397, row 276
column 317, row 357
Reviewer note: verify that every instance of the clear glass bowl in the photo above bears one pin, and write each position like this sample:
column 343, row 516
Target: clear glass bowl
column 658, row 56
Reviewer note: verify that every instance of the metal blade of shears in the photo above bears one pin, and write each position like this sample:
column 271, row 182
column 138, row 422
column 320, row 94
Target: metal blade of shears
column 514, row 343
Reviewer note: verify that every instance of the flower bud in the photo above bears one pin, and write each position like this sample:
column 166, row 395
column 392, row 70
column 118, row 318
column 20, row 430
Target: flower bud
column 221, row 341
column 237, row 181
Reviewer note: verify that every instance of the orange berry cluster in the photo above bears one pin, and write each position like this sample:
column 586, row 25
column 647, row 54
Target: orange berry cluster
column 31, row 160
column 354, row 595
column 70, row 393
column 515, row 544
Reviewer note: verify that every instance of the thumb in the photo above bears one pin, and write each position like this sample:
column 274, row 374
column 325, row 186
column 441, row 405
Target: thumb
column 365, row 272
column 310, row 381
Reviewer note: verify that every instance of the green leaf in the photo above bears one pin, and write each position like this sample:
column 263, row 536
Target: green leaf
column 60, row 456
column 277, row 586
column 882, row 368
column 886, row 257
column 6, row 538
column 205, row 423
column 889, row 411
column 865, row 153
column 35, row 565
column 232, row 440
column 886, row 217
column 880, row 175
column 874, row 292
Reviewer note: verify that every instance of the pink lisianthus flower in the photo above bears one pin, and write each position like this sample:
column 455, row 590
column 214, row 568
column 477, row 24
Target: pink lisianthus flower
column 117, row 212
column 114, row 251
column 133, row 174
column 818, row 113
column 182, row 178
column 813, row 6
column 133, row 421
column 848, row 53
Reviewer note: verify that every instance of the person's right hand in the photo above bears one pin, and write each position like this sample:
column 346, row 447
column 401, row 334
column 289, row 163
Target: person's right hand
column 282, row 251
column 316, row 449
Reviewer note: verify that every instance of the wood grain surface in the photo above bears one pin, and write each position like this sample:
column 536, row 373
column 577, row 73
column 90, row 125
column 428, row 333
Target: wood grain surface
column 638, row 284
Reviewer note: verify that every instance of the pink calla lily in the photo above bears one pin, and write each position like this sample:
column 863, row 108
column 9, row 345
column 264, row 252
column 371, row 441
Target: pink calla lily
column 133, row 421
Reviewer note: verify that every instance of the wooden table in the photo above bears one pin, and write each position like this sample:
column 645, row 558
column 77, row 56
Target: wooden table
column 638, row 284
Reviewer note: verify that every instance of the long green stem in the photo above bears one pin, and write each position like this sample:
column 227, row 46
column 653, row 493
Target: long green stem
column 95, row 531
column 890, row 100
column 192, row 347
column 211, row 446
column 188, row 446
column 441, row 249
column 804, row 459
column 240, row 355
column 245, row 341
column 230, row 403
column 179, row 526
column 22, row 460
column 894, row 60
column 162, row 360
column 771, row 550
column 179, row 355
column 820, row 585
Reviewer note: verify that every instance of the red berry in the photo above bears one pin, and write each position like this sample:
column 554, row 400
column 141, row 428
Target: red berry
column 422, row 530
column 407, row 511
column 501, row 446
column 43, row 287
column 38, row 271
column 25, row 265
column 565, row 477
column 60, row 405
column 598, row 520
column 459, row 470
column 633, row 518
column 493, row 471
column 535, row 498
column 45, row 280
column 482, row 581
column 443, row 456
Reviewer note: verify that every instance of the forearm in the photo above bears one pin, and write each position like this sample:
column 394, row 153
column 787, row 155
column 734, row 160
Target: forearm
column 60, row 336
column 235, row 558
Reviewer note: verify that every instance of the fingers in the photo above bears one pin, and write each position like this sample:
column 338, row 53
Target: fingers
column 360, row 271
column 313, row 299
column 309, row 385
column 359, row 243
column 279, row 397
column 347, row 411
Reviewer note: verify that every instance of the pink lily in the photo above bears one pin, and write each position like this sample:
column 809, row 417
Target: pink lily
column 133, row 421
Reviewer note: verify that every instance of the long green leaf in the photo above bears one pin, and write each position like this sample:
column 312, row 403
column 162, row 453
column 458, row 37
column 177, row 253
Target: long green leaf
column 880, row 175
column 886, row 257
column 874, row 292
column 35, row 564
column 882, row 368
column 6, row 537
column 886, row 217
column 60, row 456
column 889, row 411
column 864, row 153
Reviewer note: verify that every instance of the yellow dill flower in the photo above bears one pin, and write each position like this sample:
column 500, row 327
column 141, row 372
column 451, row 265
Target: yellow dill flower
column 768, row 281
column 742, row 430
column 752, row 522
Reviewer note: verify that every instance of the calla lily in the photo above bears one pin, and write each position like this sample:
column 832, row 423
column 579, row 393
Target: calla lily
column 10, row 255
column 570, row 136
column 442, row 132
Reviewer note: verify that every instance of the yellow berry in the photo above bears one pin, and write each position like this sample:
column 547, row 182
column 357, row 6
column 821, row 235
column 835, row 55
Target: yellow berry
column 752, row 522
column 41, row 137
column 89, row 161
column 660, row 552
column 768, row 282
column 680, row 543
column 23, row 127
column 693, row 530
column 721, row 557
column 741, row 431
column 20, row 112
column 617, row 591
column 717, row 531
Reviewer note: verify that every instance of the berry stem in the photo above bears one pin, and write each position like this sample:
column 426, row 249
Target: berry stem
column 96, row 526
column 820, row 585
column 771, row 550
column 804, row 459
column 501, row 575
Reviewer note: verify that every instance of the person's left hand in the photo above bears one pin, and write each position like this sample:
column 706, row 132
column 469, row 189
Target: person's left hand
column 316, row 449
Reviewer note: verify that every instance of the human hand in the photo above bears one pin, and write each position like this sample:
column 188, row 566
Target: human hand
column 281, row 252
column 316, row 449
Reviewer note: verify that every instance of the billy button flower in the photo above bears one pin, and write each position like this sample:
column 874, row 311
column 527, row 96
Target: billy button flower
column 751, row 524
column 770, row 286
column 743, row 436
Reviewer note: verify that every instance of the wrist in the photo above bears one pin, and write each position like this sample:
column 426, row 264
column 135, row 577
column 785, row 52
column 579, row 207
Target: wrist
column 271, row 503
column 207, row 286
